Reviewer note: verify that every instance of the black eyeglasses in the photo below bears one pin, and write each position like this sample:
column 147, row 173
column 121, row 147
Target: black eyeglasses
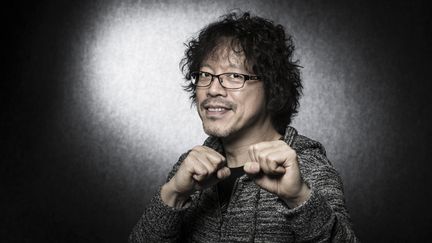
column 226, row 80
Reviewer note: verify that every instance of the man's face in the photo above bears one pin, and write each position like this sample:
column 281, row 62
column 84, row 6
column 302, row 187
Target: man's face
column 226, row 112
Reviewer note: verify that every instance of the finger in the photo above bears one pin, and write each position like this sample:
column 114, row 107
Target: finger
column 211, row 159
column 274, row 145
column 213, row 152
column 273, row 157
column 258, row 149
column 214, row 157
column 275, row 161
column 291, row 160
column 264, row 163
column 199, row 171
column 251, row 152
column 202, row 158
column 217, row 161
column 264, row 145
column 252, row 168
column 223, row 173
column 198, row 177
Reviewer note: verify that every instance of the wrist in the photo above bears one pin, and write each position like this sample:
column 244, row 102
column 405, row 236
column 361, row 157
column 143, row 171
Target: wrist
column 171, row 197
column 303, row 195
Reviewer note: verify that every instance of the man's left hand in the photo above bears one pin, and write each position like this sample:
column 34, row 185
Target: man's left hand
column 275, row 168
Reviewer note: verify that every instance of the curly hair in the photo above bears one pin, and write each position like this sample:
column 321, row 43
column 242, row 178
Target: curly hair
column 268, row 53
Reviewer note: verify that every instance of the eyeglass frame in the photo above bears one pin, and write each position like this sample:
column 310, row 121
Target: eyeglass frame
column 246, row 78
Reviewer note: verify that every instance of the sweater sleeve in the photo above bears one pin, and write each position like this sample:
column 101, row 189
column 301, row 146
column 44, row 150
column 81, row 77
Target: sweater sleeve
column 323, row 217
column 159, row 222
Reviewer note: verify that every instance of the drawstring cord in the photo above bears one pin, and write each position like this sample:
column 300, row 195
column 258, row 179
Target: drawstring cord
column 255, row 218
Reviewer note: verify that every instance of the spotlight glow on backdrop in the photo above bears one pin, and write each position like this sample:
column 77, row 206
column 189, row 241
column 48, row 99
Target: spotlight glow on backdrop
column 133, row 77
column 130, row 62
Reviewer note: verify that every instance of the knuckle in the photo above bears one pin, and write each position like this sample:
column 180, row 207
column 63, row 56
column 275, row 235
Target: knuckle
column 271, row 158
column 292, row 153
column 217, row 162
column 200, row 170
column 275, row 144
column 264, row 155
column 271, row 163
column 192, row 153
column 213, row 158
column 253, row 147
column 197, row 148
column 212, row 168
column 266, row 169
column 261, row 157
column 188, row 162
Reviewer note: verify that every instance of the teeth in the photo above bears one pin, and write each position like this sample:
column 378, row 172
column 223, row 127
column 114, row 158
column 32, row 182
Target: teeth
column 216, row 109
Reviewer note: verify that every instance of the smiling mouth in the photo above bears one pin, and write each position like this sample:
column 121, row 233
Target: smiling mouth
column 215, row 112
column 216, row 109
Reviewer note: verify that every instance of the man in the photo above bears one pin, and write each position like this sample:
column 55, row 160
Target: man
column 255, row 178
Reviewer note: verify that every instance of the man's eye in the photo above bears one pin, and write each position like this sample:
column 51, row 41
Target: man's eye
column 234, row 75
column 205, row 75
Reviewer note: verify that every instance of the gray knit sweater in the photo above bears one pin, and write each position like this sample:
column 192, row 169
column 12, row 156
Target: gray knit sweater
column 253, row 214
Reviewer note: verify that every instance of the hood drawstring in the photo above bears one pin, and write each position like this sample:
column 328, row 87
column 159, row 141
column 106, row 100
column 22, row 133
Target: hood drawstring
column 255, row 218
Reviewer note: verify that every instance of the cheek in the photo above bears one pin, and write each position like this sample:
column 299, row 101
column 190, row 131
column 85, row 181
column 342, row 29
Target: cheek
column 255, row 107
column 199, row 97
column 257, row 99
column 198, row 94
column 253, row 104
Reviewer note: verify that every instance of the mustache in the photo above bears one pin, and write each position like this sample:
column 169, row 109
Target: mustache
column 219, row 101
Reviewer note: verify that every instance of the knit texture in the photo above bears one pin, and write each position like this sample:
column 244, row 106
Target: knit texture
column 253, row 214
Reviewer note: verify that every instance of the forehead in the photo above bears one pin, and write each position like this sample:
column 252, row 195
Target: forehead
column 226, row 54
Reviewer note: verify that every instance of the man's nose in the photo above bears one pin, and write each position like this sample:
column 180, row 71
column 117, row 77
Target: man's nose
column 215, row 88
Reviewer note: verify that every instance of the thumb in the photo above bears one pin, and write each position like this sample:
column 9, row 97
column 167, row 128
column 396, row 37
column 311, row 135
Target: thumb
column 251, row 168
column 223, row 173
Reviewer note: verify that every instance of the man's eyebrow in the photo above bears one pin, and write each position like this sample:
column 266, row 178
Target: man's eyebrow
column 205, row 65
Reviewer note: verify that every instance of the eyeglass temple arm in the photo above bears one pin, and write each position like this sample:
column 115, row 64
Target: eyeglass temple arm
column 248, row 77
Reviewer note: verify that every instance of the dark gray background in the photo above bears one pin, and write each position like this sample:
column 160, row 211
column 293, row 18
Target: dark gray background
column 71, row 175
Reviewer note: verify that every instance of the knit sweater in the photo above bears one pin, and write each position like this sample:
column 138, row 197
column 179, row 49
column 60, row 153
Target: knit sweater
column 253, row 214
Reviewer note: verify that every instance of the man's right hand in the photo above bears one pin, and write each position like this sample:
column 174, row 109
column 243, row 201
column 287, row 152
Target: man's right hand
column 202, row 168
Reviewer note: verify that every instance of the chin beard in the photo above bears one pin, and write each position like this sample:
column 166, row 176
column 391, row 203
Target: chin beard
column 218, row 132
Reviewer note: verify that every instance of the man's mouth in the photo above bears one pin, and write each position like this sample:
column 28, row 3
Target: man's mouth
column 218, row 109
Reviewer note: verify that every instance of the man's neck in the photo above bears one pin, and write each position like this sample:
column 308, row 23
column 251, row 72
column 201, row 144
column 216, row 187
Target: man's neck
column 236, row 149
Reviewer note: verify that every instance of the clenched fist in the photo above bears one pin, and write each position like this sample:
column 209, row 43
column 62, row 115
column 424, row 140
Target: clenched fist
column 275, row 168
column 202, row 168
